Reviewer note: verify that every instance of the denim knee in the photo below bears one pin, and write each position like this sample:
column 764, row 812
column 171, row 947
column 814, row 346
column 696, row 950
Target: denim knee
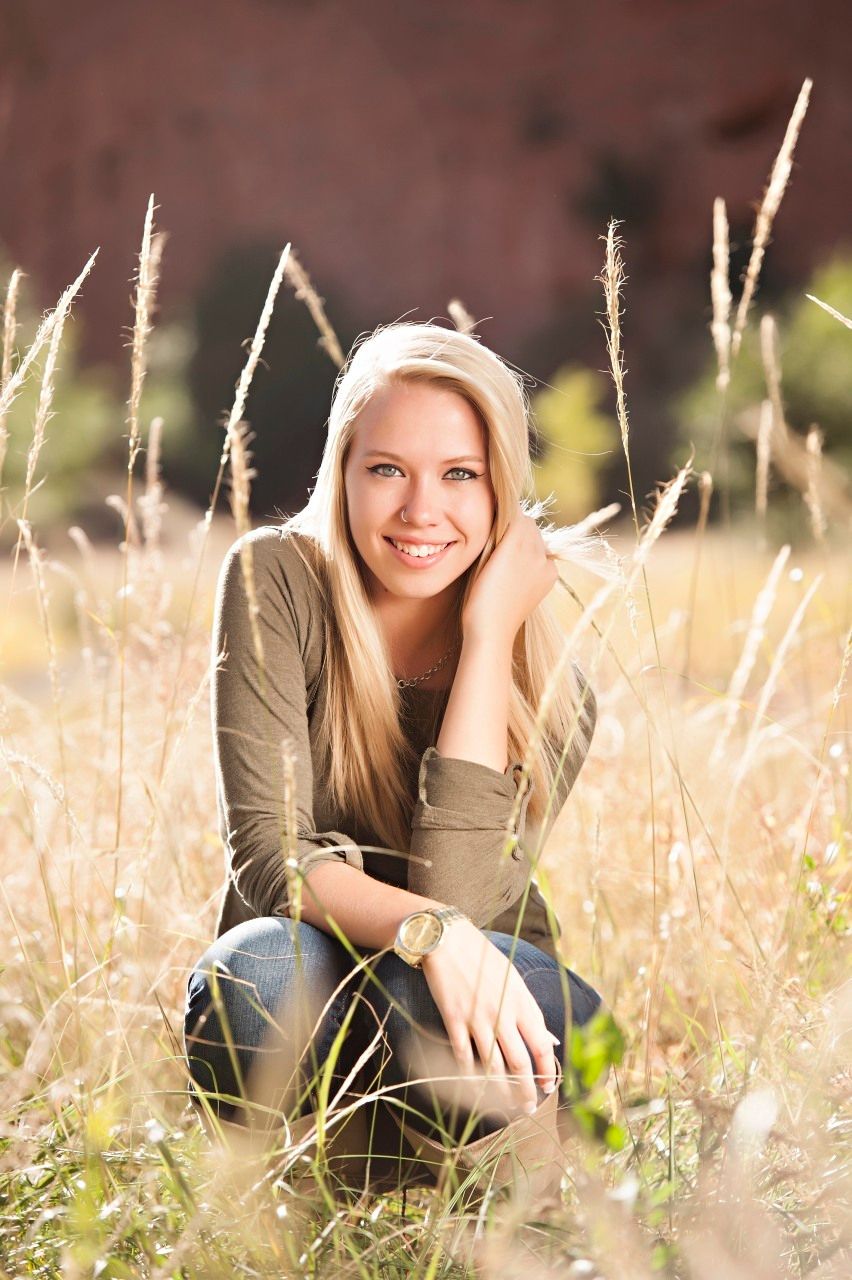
column 399, row 997
column 258, row 990
column 543, row 975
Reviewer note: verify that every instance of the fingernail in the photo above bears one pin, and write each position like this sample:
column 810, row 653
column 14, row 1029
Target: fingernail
column 548, row 1088
column 555, row 1039
column 530, row 1108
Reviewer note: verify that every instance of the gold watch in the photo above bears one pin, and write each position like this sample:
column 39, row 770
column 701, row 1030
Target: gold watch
column 421, row 932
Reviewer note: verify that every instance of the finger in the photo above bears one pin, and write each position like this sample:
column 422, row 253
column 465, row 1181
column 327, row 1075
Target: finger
column 518, row 1063
column 488, row 1048
column 493, row 1066
column 459, row 1038
column 548, row 1068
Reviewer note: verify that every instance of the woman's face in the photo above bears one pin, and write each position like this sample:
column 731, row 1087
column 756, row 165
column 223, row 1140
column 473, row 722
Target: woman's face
column 420, row 449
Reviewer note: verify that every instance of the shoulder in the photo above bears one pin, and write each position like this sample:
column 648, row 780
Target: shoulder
column 281, row 558
column 289, row 577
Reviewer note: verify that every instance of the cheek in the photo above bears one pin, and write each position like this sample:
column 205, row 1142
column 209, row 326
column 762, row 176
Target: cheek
column 481, row 510
column 369, row 511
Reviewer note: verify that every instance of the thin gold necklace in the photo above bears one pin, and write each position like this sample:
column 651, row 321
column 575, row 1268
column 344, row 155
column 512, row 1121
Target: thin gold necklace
column 403, row 683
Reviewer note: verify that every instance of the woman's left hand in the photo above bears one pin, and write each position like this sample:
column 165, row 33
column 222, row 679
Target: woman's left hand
column 518, row 575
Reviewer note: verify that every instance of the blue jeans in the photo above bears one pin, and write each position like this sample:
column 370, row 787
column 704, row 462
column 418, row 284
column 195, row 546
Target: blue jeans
column 272, row 987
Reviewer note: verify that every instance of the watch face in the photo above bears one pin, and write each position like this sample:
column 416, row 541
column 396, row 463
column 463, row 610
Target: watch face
column 421, row 932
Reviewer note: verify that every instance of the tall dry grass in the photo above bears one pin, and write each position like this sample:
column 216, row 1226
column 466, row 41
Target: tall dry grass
column 700, row 871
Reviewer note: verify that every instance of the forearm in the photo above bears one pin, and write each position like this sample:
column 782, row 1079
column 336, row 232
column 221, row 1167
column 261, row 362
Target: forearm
column 366, row 910
column 476, row 718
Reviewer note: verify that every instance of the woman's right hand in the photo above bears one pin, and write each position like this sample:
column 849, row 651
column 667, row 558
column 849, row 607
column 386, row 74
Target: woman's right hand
column 479, row 992
column 515, row 579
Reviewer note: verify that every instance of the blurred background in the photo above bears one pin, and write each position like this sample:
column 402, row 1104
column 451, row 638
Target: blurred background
column 416, row 153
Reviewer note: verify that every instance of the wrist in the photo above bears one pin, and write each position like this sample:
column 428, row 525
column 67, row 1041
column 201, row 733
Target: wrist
column 490, row 637
column 450, row 927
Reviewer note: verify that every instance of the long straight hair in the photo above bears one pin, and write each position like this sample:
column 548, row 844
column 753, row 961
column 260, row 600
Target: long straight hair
column 366, row 758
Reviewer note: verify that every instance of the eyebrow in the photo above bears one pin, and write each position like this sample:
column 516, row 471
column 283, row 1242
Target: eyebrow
column 384, row 453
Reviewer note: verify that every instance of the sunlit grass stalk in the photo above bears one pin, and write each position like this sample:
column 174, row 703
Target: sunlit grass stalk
column 772, row 373
column 43, row 414
column 786, row 448
column 10, row 328
column 12, row 388
column 769, row 206
column 787, row 932
column 236, row 414
column 838, row 315
column 146, row 292
column 50, row 328
column 298, row 278
column 242, row 474
column 763, row 454
column 720, row 328
column 766, row 694
column 754, row 639
column 187, row 720
column 151, row 508
column 36, row 557
column 151, row 501
column 612, row 279
column 290, row 848
column 705, row 493
column 813, row 500
column 720, row 294
column 666, row 507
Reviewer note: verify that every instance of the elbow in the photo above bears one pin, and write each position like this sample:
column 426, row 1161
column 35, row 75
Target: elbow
column 480, row 900
column 260, row 880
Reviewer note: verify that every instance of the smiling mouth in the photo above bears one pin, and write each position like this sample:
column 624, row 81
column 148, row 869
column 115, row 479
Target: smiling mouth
column 418, row 557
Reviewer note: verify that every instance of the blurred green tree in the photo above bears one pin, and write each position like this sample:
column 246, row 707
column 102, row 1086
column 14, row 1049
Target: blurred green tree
column 577, row 441
column 815, row 357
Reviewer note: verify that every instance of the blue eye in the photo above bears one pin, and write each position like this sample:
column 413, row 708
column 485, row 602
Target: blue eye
column 465, row 473
column 375, row 470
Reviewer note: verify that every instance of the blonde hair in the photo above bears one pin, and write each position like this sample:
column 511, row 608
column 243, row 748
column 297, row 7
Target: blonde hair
column 366, row 757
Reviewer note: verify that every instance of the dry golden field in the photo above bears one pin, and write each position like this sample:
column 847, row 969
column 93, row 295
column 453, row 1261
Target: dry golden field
column 700, row 868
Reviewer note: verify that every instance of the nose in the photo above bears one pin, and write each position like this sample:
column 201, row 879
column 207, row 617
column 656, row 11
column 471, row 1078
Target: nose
column 421, row 504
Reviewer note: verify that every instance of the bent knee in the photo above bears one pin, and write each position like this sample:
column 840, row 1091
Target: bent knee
column 247, row 972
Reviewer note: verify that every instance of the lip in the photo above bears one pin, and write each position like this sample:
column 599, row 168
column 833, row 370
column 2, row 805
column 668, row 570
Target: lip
column 418, row 562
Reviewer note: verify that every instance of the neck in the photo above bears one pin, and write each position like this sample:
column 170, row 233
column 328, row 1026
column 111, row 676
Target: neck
column 417, row 632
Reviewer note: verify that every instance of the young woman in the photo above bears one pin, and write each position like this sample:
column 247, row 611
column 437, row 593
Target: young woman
column 371, row 722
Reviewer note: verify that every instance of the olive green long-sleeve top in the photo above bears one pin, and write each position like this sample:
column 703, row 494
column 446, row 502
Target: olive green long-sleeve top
column 460, row 808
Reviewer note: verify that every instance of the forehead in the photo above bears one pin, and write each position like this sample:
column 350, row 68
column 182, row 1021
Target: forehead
column 421, row 419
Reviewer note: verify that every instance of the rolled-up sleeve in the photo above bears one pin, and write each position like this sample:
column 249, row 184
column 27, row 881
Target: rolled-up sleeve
column 463, row 849
column 256, row 710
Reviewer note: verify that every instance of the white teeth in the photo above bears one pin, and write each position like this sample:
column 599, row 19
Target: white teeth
column 418, row 552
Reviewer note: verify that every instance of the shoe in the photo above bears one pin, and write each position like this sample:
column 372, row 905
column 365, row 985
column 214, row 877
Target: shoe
column 524, row 1159
column 345, row 1160
column 345, row 1147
